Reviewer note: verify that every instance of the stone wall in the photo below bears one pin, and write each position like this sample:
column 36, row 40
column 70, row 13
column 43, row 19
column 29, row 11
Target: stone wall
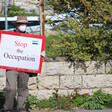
column 1, row 6
column 30, row 7
column 65, row 77
column 25, row 4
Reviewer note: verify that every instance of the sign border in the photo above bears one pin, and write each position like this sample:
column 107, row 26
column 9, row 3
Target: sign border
column 29, row 36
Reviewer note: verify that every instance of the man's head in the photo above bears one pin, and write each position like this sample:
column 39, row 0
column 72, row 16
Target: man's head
column 21, row 23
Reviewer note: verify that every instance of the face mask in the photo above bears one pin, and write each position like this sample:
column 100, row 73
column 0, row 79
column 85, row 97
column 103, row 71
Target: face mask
column 22, row 28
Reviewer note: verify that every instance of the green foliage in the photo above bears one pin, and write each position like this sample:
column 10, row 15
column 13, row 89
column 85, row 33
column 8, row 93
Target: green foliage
column 50, row 51
column 84, row 44
column 86, row 38
column 110, row 72
column 17, row 11
column 55, row 103
column 97, row 101
column 78, row 100
column 15, row 103
column 2, row 98
column 92, row 9
column 48, row 103
column 32, row 101
column 64, row 103
column 44, row 103
column 61, row 6
column 1, row 15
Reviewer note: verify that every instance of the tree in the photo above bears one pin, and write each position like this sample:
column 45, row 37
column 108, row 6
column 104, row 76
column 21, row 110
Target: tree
column 93, row 35
column 92, row 10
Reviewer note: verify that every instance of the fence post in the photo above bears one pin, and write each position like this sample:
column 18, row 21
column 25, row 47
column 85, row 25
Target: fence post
column 42, row 21
column 6, row 22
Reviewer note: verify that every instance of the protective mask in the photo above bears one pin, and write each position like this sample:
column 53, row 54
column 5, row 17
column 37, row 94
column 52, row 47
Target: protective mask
column 22, row 28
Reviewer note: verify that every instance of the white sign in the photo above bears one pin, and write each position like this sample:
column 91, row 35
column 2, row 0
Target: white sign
column 20, row 53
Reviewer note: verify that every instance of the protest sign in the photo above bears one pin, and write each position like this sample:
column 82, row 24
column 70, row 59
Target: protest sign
column 21, row 52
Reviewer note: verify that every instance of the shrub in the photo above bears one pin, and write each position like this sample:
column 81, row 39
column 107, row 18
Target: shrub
column 78, row 100
column 97, row 101
column 50, row 51
column 17, row 11
column 44, row 103
column 55, row 103
column 87, row 33
column 64, row 103
column 32, row 101
column 85, row 43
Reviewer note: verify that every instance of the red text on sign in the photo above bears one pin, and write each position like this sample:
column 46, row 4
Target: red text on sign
column 20, row 44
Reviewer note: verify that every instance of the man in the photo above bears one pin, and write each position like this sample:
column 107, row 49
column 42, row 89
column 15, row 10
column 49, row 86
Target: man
column 17, row 79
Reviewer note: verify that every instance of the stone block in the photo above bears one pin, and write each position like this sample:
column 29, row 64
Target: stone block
column 89, row 91
column 42, row 94
column 56, row 68
column 70, row 82
column 98, row 81
column 89, row 67
column 66, row 68
column 33, row 92
column 65, row 92
column 48, row 82
column 108, row 66
column 2, row 83
column 52, row 68
column 43, row 72
column 2, row 72
column 32, row 83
